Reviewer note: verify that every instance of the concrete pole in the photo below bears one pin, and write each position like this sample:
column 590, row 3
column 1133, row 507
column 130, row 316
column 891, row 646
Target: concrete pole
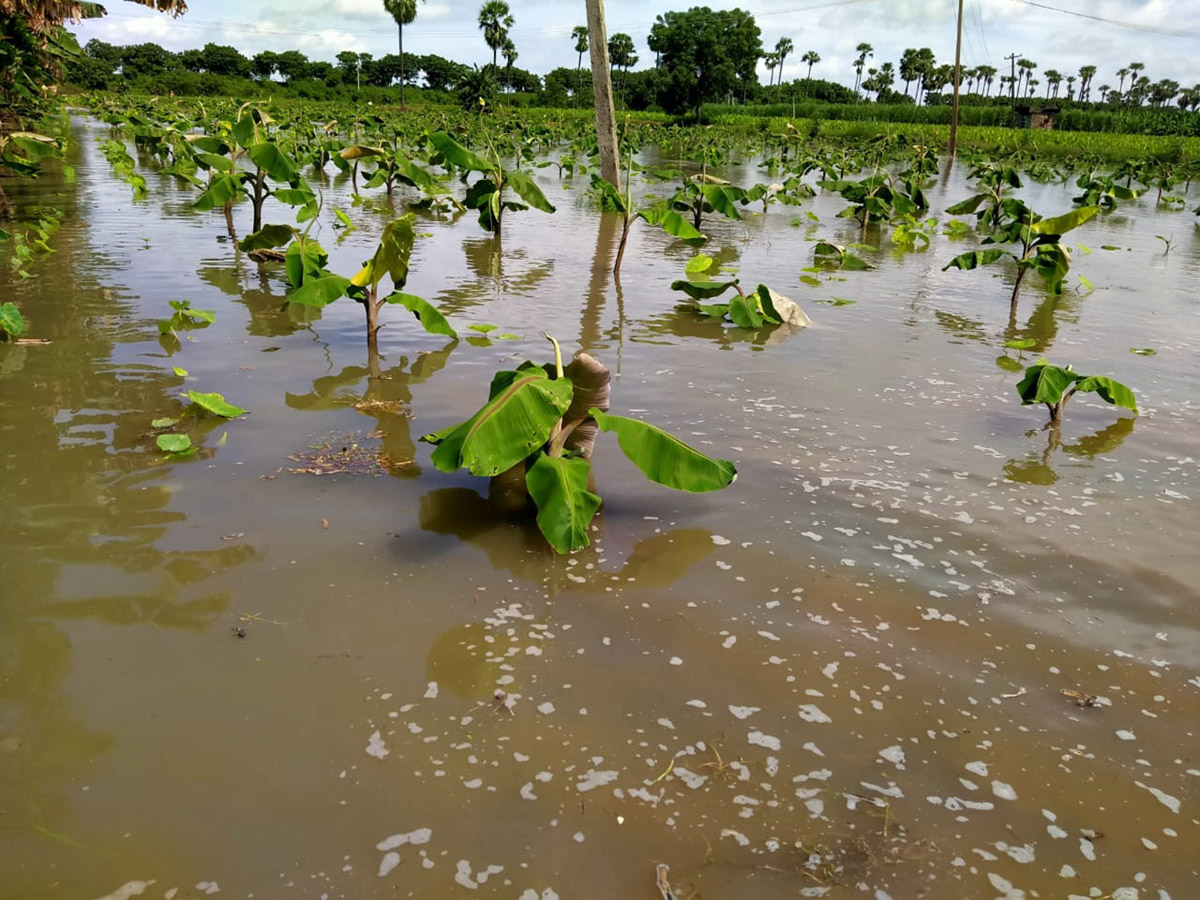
column 957, row 83
column 606, row 119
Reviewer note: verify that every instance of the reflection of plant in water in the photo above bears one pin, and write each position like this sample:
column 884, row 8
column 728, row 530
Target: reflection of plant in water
column 1036, row 468
column 386, row 398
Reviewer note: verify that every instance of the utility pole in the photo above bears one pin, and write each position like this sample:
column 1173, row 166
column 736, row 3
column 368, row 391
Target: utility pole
column 1012, row 81
column 606, row 119
column 957, row 83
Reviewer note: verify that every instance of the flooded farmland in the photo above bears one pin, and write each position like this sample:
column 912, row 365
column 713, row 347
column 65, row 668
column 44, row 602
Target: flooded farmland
column 922, row 648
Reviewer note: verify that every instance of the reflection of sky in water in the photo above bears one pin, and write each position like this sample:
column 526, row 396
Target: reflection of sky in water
column 846, row 670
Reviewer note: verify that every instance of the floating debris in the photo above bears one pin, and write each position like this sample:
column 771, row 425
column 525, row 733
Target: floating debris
column 344, row 455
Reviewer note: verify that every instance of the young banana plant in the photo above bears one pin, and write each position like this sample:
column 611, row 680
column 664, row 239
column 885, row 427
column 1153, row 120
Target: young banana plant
column 487, row 193
column 535, row 435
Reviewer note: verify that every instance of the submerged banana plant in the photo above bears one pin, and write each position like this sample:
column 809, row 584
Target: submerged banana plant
column 535, row 436
column 1055, row 385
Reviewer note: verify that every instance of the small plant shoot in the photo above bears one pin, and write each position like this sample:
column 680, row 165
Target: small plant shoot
column 1055, row 385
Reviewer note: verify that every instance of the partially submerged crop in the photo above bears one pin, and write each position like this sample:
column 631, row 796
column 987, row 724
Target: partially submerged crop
column 1055, row 385
column 534, row 438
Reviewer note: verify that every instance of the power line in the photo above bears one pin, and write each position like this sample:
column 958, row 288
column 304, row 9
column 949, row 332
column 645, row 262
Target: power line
column 1132, row 26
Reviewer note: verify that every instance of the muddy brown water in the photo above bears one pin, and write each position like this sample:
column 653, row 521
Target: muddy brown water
column 841, row 677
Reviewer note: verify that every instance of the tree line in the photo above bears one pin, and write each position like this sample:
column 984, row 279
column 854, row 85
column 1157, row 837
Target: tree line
column 700, row 56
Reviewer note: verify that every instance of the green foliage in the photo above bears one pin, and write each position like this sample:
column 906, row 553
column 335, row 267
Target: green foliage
column 11, row 322
column 215, row 404
column 1055, row 385
column 703, row 56
column 539, row 425
column 487, row 193
column 175, row 444
column 762, row 307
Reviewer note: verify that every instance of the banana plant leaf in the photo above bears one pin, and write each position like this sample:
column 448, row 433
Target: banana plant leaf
column 266, row 238
column 272, row 160
column 777, row 307
column 1109, row 390
column 745, row 313
column 558, row 486
column 673, row 224
column 974, row 259
column 702, row 290
column 319, row 291
column 454, row 152
column 528, row 191
column 221, row 190
column 173, row 443
column 391, row 256
column 1066, row 222
column 427, row 314
column 359, row 152
column 665, row 459
column 514, row 423
column 1044, row 383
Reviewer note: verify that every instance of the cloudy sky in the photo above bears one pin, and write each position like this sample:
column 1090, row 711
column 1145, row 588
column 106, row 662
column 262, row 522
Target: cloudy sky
column 1056, row 34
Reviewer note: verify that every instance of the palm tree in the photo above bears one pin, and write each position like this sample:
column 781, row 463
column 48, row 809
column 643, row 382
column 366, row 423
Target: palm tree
column 987, row 74
column 1124, row 73
column 783, row 47
column 622, row 53
column 403, row 12
column 1134, row 68
column 1053, row 80
column 864, row 50
column 812, row 57
column 580, row 34
column 770, row 60
column 1086, row 74
column 494, row 21
column 1104, row 91
column 509, row 52
column 910, row 67
column 1025, row 69
column 1070, row 87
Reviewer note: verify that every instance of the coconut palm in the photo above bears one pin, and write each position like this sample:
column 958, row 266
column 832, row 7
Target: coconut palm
column 812, row 57
column 403, row 12
column 494, row 21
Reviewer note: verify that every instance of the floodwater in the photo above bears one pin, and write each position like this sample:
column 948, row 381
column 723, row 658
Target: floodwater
column 841, row 677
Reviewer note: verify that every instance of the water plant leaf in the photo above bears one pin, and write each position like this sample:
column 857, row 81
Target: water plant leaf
column 174, row 443
column 528, row 191
column 665, row 459
column 701, row 262
column 454, row 152
column 164, row 423
column 565, row 506
column 482, row 328
column 427, row 314
column 515, row 422
column 215, row 403
column 1143, row 351
column 11, row 321
column 1021, row 344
